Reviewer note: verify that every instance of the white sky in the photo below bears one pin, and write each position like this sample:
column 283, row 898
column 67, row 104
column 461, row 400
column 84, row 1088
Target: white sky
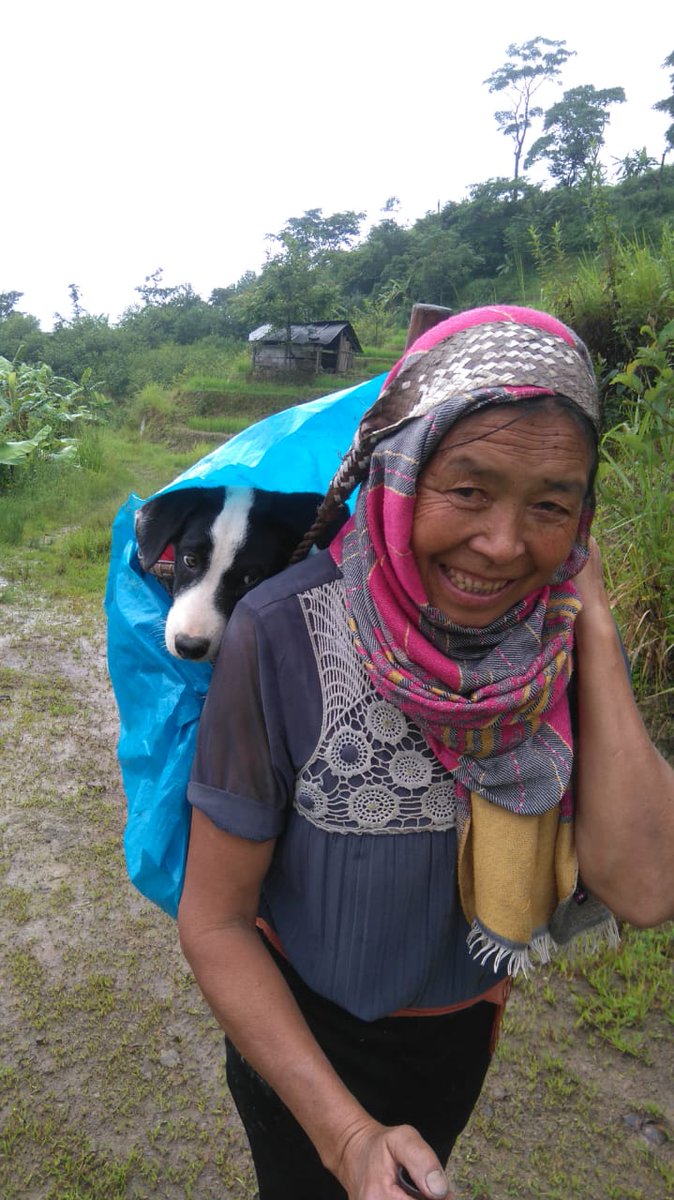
column 149, row 133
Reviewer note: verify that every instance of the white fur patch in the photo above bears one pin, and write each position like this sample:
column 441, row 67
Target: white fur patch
column 193, row 612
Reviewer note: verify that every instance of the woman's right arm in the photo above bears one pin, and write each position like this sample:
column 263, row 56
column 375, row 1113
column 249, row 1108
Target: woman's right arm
column 252, row 1002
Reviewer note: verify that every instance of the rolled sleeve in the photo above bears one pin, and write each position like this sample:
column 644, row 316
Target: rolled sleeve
column 242, row 777
column 240, row 815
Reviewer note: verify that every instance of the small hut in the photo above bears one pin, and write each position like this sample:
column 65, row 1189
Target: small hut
column 305, row 349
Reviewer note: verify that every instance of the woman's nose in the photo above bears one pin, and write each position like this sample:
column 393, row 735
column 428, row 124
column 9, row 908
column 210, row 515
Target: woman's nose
column 499, row 538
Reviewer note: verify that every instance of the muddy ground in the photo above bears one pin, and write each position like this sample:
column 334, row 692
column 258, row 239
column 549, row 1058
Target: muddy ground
column 111, row 1068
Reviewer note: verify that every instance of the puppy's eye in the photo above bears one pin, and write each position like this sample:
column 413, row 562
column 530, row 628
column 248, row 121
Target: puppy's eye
column 191, row 561
column 251, row 578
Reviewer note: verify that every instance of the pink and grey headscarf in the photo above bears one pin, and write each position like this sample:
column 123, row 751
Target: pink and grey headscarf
column 491, row 702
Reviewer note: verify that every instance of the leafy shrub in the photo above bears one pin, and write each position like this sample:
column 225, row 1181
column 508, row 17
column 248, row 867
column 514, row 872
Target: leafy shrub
column 608, row 297
column 40, row 412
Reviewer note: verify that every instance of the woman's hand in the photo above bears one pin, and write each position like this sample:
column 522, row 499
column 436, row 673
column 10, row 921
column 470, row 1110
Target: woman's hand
column 371, row 1155
column 251, row 999
column 590, row 585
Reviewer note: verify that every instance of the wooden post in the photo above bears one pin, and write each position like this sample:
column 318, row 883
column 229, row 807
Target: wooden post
column 422, row 318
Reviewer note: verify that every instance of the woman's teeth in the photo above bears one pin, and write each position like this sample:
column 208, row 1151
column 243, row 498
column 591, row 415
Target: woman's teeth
column 467, row 583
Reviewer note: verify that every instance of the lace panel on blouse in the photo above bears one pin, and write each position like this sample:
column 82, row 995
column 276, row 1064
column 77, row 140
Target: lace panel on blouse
column 372, row 770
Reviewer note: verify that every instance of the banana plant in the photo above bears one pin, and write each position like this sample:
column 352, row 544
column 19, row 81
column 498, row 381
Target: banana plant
column 14, row 452
column 35, row 405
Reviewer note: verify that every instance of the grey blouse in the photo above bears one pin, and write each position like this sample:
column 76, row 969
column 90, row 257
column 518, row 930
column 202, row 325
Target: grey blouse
column 295, row 744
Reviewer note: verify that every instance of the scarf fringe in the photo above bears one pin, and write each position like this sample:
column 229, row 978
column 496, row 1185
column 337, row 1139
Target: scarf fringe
column 483, row 946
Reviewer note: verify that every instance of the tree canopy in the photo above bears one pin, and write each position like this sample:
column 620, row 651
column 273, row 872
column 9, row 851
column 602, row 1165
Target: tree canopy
column 528, row 67
column 574, row 132
column 667, row 106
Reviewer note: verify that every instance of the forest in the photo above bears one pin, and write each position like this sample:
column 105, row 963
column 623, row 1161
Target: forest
column 599, row 254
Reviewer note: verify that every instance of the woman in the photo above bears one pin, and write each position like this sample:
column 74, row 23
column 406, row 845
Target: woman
column 383, row 783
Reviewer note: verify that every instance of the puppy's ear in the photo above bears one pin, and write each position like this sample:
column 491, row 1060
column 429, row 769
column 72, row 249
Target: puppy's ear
column 159, row 522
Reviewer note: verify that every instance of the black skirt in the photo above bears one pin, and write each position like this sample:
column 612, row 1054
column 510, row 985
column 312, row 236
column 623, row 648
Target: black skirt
column 421, row 1071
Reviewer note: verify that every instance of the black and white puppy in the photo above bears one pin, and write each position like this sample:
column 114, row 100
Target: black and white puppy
column 225, row 541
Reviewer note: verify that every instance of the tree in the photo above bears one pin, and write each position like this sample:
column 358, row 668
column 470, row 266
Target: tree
column 384, row 255
column 297, row 283
column 78, row 312
column 667, row 106
column 442, row 263
column 155, row 293
column 318, row 236
column 493, row 222
column 290, row 289
column 21, row 338
column 529, row 66
column 8, row 302
column 575, row 132
column 639, row 162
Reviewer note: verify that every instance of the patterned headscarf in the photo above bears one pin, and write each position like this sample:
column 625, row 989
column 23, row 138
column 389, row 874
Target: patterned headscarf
column 491, row 702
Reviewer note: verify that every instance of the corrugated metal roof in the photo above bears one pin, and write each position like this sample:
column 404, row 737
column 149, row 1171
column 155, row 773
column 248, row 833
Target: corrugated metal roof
column 313, row 333
column 259, row 333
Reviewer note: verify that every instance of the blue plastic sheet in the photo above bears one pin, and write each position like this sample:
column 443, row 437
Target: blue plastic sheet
column 160, row 697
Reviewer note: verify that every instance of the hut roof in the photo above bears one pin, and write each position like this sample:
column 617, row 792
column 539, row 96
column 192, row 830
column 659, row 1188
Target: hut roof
column 321, row 333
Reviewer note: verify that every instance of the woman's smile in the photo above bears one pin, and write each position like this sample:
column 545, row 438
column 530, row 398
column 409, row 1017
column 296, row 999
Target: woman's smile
column 466, row 582
column 497, row 510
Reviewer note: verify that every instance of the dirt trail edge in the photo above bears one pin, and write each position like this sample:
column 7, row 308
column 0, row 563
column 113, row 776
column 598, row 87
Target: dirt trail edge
column 112, row 1070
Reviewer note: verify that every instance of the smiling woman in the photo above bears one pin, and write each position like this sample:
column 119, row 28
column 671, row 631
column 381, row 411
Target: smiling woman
column 498, row 509
column 384, row 824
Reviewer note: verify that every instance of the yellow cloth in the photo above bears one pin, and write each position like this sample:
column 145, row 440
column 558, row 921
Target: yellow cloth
column 514, row 870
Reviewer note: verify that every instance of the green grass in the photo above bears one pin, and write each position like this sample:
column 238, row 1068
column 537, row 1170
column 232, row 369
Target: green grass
column 547, row 1126
column 620, row 991
column 56, row 519
column 99, row 1098
column 223, row 424
column 295, row 392
column 70, row 1167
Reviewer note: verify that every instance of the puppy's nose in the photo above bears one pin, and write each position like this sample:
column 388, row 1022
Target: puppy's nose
column 191, row 647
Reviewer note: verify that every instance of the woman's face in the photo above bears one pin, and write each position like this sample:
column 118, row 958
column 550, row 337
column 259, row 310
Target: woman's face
column 497, row 510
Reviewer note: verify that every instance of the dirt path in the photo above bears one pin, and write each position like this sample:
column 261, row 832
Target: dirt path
column 112, row 1077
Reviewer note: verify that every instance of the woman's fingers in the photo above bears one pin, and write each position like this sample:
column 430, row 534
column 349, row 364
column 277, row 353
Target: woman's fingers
column 374, row 1157
column 590, row 582
column 424, row 1178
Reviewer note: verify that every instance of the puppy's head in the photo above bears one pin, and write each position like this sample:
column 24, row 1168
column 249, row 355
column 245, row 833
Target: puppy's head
column 225, row 541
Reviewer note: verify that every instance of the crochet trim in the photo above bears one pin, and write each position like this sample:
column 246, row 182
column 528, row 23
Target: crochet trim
column 372, row 770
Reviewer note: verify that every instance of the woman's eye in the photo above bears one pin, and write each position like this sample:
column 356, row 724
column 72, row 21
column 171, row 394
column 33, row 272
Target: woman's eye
column 551, row 509
column 468, row 494
column 191, row 561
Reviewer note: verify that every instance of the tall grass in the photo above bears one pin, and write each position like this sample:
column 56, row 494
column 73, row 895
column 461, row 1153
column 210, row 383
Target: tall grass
column 609, row 296
column 49, row 499
column 636, row 521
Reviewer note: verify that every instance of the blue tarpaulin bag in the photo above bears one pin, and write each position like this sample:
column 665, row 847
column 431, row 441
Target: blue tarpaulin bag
column 160, row 697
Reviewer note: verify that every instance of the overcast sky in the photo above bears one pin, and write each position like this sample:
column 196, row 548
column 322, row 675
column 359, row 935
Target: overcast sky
column 151, row 134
